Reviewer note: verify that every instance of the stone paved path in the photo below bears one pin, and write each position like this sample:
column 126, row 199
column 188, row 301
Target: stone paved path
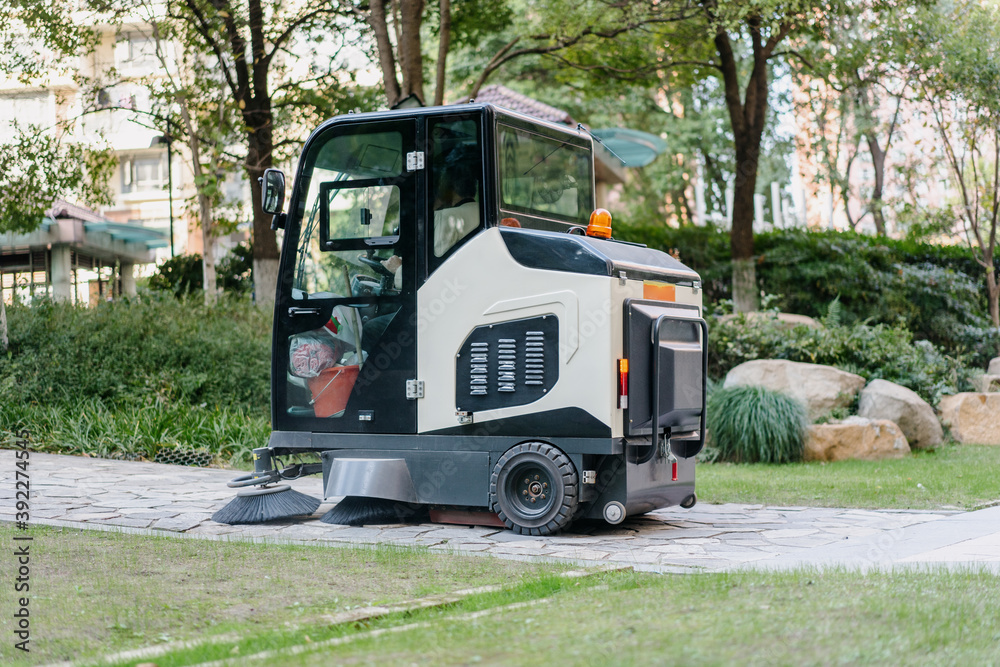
column 119, row 495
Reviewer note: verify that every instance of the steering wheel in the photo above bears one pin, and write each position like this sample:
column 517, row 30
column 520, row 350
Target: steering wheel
column 376, row 266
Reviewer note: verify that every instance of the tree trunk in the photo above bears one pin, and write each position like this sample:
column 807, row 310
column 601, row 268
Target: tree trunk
column 386, row 56
column 878, row 163
column 204, row 206
column 265, row 243
column 208, row 264
column 745, row 293
column 994, row 295
column 747, row 117
column 411, row 59
column 444, row 43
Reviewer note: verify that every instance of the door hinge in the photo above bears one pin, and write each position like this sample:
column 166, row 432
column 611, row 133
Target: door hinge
column 414, row 389
column 414, row 161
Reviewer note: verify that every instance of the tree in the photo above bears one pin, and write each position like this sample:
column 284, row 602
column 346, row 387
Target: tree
column 36, row 36
column 40, row 166
column 955, row 61
column 252, row 45
column 400, row 30
column 488, row 34
column 183, row 90
column 735, row 43
column 863, row 92
column 763, row 26
column 739, row 40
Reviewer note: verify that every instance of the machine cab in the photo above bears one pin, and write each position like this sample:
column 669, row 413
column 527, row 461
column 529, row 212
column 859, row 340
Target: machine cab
column 380, row 202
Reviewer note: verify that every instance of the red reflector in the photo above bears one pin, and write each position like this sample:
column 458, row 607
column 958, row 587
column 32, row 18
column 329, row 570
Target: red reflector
column 623, row 383
column 673, row 471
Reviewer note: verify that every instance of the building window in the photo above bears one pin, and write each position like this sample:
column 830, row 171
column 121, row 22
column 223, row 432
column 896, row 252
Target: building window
column 144, row 173
column 135, row 51
column 25, row 110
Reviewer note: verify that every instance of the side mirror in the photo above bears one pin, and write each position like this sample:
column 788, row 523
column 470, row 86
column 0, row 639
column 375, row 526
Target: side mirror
column 272, row 191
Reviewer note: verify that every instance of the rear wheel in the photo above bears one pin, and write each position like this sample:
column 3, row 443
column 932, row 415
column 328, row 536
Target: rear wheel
column 534, row 489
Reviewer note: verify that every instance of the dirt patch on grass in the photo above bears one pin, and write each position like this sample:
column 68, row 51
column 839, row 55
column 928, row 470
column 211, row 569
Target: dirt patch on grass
column 97, row 593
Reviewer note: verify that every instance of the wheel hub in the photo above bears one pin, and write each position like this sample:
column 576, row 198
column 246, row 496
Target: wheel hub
column 531, row 488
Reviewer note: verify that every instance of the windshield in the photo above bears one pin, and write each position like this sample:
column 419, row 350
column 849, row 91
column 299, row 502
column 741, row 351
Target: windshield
column 544, row 177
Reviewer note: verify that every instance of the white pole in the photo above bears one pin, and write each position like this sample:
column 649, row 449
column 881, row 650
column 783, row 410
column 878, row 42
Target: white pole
column 699, row 198
column 776, row 203
column 730, row 194
column 829, row 208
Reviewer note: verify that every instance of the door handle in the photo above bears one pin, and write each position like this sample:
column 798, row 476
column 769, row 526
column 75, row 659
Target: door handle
column 293, row 311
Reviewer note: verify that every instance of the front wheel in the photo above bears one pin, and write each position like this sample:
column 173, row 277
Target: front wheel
column 534, row 489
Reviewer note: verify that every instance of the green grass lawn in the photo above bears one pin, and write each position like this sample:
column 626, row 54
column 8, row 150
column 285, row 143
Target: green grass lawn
column 955, row 477
column 97, row 593
column 797, row 618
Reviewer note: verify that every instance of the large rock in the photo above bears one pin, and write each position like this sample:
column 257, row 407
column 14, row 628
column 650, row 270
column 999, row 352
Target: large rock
column 820, row 388
column 987, row 383
column 882, row 399
column 994, row 368
column 856, row 438
column 974, row 418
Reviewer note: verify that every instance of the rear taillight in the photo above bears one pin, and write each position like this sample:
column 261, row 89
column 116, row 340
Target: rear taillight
column 623, row 383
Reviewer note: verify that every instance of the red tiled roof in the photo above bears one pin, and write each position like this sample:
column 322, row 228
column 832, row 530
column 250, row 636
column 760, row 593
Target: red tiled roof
column 508, row 99
column 63, row 209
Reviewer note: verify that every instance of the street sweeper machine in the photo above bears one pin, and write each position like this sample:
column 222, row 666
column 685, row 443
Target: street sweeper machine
column 458, row 334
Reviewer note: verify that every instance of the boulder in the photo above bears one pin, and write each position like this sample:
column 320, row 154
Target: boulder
column 882, row 399
column 994, row 368
column 987, row 384
column 856, row 438
column 820, row 388
column 974, row 418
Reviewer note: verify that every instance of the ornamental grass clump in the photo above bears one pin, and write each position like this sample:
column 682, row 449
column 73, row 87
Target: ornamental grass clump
column 756, row 425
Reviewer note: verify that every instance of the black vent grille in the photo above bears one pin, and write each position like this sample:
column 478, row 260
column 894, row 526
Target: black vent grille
column 507, row 364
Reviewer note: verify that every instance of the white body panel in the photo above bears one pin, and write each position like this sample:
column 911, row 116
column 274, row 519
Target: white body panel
column 476, row 287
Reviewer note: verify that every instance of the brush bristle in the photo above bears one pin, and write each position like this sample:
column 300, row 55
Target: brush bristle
column 358, row 511
column 266, row 507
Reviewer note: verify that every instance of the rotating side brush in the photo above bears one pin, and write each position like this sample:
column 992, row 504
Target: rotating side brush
column 267, row 503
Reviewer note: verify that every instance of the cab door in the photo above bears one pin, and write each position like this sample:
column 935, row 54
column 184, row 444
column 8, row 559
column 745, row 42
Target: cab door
column 344, row 343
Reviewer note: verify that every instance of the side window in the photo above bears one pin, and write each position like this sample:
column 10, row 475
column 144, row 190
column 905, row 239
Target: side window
column 350, row 218
column 548, row 180
column 456, row 183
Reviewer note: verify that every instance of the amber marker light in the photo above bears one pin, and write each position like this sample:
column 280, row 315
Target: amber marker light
column 600, row 224
column 657, row 291
column 623, row 383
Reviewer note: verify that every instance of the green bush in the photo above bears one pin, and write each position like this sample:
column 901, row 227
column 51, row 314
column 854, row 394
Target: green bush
column 136, row 377
column 871, row 351
column 756, row 425
column 181, row 275
column 184, row 274
column 152, row 350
